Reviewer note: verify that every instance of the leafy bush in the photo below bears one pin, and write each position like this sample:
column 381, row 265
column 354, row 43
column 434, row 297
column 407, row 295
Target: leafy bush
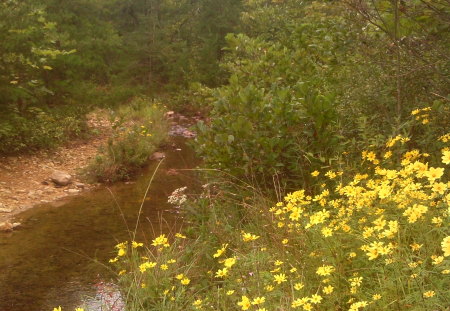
column 139, row 127
column 268, row 120
column 38, row 128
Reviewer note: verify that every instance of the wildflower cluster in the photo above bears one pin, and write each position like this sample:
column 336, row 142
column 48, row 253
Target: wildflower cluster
column 378, row 239
column 154, row 269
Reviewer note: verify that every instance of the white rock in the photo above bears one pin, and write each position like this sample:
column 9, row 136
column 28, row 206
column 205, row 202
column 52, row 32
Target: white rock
column 61, row 178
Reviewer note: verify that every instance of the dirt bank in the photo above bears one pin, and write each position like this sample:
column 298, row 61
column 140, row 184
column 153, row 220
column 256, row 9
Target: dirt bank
column 24, row 179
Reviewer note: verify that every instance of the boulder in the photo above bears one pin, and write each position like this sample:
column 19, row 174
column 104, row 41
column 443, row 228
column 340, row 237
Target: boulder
column 61, row 178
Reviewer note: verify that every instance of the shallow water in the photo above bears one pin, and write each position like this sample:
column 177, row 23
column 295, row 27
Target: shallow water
column 59, row 255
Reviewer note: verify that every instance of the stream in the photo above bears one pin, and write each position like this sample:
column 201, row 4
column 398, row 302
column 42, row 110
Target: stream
column 59, row 256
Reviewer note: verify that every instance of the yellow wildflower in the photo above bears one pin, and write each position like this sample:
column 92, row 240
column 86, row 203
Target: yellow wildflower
column 244, row 303
column 197, row 303
column 246, row 237
column 446, row 157
column 220, row 251
column 298, row 286
column 221, row 273
column 146, row 265
column 229, row 262
column 135, row 244
column 258, row 300
column 161, row 240
column 325, row 270
column 280, row 278
column 315, row 299
column 328, row 289
column 437, row 259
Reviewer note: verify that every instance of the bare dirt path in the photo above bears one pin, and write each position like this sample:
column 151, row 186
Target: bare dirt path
column 24, row 180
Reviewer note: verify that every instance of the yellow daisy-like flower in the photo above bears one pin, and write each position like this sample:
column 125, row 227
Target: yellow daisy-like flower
column 221, row 273
column 328, row 289
column 230, row 292
column 135, row 244
column 220, row 251
column 315, row 299
column 164, row 267
column 429, row 294
column 179, row 276
column 325, row 270
column 247, row 237
column 315, row 173
column 278, row 263
column 161, row 240
column 415, row 247
column 185, row 281
column 446, row 157
column 445, row 244
column 258, row 300
column 229, row 262
column 298, row 286
column 121, row 252
column 245, row 303
column 376, row 297
column 146, row 265
column 280, row 278
column 437, row 259
column 57, row 309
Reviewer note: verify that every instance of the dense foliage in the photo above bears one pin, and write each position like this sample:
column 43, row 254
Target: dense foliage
column 310, row 80
column 65, row 58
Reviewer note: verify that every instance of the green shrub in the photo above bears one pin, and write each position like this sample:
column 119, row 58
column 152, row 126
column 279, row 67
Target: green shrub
column 138, row 129
column 40, row 128
column 268, row 120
